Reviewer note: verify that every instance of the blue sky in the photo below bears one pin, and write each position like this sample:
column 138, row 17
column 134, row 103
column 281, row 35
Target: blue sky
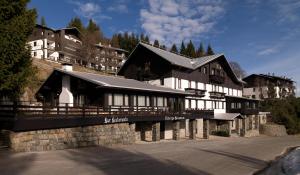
column 263, row 36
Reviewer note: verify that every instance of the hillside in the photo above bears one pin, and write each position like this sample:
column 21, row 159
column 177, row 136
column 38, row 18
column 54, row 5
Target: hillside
column 43, row 70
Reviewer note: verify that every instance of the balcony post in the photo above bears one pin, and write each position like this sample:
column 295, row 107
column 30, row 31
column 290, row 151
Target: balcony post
column 176, row 130
column 156, row 131
column 205, row 128
column 192, row 126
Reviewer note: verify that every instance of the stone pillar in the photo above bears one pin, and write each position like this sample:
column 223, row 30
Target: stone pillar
column 257, row 123
column 192, row 128
column 229, row 127
column 243, row 130
column 176, row 130
column 250, row 122
column 206, row 129
column 156, row 131
column 237, row 126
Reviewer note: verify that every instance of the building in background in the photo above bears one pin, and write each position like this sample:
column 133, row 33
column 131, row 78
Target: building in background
column 261, row 86
column 64, row 46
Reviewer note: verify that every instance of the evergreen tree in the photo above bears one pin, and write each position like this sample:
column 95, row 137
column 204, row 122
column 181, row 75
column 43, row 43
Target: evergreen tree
column 76, row 22
column 190, row 50
column 174, row 48
column 156, row 43
column 200, row 51
column 182, row 49
column 147, row 39
column 209, row 50
column 16, row 23
column 43, row 21
column 142, row 37
column 115, row 41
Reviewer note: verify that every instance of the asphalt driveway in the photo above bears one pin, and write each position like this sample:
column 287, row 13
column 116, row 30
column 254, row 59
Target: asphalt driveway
column 190, row 157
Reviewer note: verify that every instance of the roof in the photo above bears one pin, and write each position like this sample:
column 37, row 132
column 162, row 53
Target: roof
column 110, row 47
column 118, row 82
column 56, row 30
column 269, row 77
column 226, row 116
column 180, row 60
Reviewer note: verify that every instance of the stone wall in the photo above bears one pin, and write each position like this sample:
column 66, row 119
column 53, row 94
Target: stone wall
column 273, row 130
column 55, row 139
column 252, row 133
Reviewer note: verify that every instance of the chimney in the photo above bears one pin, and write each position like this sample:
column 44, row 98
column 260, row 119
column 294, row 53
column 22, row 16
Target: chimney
column 67, row 67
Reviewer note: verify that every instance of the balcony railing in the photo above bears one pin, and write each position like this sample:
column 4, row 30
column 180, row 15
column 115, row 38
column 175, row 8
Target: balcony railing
column 218, row 95
column 244, row 111
column 196, row 92
column 217, row 79
column 21, row 117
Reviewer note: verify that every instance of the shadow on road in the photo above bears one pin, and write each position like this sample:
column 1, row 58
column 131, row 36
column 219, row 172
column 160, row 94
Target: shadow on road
column 252, row 162
column 15, row 163
column 119, row 161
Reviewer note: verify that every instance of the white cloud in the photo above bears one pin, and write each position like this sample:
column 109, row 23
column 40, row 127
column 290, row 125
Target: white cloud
column 120, row 8
column 268, row 51
column 89, row 10
column 171, row 21
column 288, row 10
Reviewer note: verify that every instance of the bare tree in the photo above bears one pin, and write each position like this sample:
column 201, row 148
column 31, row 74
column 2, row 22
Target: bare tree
column 237, row 69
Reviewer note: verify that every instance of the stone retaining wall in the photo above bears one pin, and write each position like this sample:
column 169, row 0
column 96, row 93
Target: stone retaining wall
column 55, row 139
column 273, row 130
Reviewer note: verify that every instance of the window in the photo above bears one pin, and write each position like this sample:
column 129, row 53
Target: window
column 253, row 89
column 162, row 82
column 34, row 53
column 118, row 99
column 34, row 43
column 126, row 100
column 204, row 70
column 189, row 86
column 179, row 83
column 160, row 101
column 213, row 71
column 109, row 99
column 141, row 101
column 147, row 101
column 232, row 105
column 239, row 105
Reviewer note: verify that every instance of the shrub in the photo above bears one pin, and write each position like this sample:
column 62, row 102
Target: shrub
column 222, row 133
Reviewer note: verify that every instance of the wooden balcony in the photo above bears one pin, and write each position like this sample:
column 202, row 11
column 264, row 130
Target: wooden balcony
column 28, row 117
column 196, row 92
column 244, row 111
column 217, row 95
column 217, row 79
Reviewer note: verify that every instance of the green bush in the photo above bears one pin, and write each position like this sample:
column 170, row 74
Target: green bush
column 222, row 133
column 286, row 112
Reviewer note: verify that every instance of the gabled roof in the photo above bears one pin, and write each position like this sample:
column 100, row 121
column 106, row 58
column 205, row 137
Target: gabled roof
column 269, row 77
column 118, row 82
column 180, row 60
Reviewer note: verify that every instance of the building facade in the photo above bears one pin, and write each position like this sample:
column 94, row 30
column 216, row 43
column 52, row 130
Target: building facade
column 64, row 46
column 261, row 86
column 209, row 81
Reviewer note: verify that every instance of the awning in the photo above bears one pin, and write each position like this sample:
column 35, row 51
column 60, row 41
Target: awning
column 226, row 116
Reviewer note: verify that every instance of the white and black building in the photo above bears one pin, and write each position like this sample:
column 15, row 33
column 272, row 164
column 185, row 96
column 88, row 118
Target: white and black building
column 210, row 81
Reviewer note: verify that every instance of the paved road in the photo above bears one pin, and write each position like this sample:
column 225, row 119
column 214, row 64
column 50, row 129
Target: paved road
column 217, row 156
